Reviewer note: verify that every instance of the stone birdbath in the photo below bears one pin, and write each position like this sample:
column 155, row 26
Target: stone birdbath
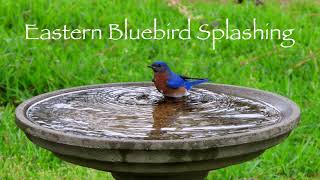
column 132, row 131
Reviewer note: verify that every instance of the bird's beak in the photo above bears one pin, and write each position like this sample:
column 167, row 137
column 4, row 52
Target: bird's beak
column 150, row 67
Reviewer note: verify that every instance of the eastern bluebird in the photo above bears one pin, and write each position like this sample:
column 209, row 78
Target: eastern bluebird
column 169, row 83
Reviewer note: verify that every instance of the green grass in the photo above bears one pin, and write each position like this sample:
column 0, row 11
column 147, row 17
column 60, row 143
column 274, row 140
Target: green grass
column 28, row 68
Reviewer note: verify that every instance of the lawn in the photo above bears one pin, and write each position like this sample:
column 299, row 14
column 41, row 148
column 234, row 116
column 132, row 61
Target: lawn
column 32, row 67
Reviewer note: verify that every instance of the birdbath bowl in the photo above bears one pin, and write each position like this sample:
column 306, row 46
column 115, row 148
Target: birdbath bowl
column 132, row 131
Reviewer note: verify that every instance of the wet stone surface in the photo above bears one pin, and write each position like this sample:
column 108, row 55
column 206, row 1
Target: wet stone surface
column 143, row 113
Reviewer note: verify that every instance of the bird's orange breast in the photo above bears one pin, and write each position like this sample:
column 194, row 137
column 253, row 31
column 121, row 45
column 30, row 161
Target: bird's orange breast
column 160, row 81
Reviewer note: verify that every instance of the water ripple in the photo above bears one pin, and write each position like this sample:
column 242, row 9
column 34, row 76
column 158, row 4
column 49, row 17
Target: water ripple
column 143, row 113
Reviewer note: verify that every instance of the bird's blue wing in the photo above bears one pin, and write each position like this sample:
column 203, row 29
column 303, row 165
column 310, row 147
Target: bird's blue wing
column 175, row 81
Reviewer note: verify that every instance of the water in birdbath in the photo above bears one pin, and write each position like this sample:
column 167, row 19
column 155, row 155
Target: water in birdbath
column 143, row 113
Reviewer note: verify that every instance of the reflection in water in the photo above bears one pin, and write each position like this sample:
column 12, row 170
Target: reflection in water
column 164, row 113
column 143, row 113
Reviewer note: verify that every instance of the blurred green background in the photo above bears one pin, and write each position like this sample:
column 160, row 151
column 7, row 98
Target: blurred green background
column 29, row 68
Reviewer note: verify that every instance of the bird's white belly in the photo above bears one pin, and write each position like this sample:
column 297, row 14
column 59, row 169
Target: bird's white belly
column 177, row 95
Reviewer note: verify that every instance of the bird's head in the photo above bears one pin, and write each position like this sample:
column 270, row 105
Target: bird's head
column 159, row 66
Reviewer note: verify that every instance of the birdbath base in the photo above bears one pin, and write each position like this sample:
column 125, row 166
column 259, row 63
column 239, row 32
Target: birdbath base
column 171, row 171
column 185, row 176
column 196, row 170
column 184, row 171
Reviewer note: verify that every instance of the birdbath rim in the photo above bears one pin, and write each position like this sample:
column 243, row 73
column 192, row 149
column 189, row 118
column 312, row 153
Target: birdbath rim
column 289, row 111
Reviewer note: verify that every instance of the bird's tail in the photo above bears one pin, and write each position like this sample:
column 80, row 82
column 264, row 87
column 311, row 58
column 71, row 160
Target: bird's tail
column 194, row 83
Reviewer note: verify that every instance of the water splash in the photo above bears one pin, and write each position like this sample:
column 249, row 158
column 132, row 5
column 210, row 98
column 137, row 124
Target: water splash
column 143, row 113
